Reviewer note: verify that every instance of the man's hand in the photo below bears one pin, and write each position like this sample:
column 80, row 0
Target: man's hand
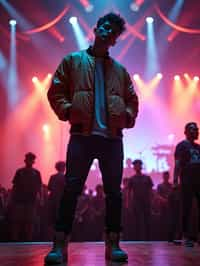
column 176, row 173
column 129, row 120
column 64, row 111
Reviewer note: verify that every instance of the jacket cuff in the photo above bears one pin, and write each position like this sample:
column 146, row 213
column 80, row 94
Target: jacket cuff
column 64, row 111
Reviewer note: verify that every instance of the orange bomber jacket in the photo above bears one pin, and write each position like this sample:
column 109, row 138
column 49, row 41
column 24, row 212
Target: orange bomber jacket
column 71, row 94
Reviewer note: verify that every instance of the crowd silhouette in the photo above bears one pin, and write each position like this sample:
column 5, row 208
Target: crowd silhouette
column 28, row 210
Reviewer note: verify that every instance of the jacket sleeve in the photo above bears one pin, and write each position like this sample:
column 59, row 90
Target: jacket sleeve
column 59, row 91
column 131, row 100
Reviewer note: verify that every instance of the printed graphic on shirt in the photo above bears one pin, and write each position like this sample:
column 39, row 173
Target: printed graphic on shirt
column 194, row 156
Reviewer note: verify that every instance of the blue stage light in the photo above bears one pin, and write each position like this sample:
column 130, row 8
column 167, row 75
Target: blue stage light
column 149, row 20
column 12, row 22
column 73, row 20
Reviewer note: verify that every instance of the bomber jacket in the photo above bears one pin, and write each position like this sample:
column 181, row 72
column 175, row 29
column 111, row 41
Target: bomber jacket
column 71, row 94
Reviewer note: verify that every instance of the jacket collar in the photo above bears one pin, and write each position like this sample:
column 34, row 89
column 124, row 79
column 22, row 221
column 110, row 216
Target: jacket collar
column 89, row 51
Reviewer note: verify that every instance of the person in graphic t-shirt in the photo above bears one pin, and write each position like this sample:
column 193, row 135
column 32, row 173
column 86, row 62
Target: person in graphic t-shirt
column 187, row 169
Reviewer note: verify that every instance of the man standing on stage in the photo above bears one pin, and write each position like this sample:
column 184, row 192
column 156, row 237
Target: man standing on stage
column 187, row 168
column 95, row 94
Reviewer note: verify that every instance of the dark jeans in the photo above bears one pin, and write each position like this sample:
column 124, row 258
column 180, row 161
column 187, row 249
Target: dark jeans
column 174, row 211
column 188, row 192
column 81, row 152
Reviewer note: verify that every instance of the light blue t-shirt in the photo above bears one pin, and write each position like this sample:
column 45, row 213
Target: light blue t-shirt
column 99, row 123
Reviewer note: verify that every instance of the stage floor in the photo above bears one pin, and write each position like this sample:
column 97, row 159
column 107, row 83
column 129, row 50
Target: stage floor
column 92, row 254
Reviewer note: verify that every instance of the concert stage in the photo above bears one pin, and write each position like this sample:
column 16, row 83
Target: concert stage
column 92, row 254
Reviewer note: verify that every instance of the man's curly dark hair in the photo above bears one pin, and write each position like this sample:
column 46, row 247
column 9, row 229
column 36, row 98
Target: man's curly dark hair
column 113, row 18
column 189, row 124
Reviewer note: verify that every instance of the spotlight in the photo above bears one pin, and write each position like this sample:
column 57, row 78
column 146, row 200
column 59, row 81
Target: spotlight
column 45, row 128
column 89, row 8
column 73, row 20
column 196, row 78
column 186, row 75
column 136, row 4
column 177, row 77
column 149, row 20
column 134, row 7
column 87, row 5
column 159, row 75
column 136, row 76
column 34, row 79
column 12, row 22
column 49, row 75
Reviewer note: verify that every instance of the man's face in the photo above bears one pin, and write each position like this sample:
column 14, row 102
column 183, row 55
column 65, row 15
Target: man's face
column 137, row 167
column 166, row 177
column 192, row 132
column 29, row 162
column 108, row 33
